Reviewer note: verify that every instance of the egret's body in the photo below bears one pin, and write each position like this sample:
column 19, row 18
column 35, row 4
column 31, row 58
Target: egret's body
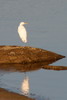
column 22, row 32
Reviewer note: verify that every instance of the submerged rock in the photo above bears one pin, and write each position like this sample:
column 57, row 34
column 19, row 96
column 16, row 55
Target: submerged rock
column 19, row 54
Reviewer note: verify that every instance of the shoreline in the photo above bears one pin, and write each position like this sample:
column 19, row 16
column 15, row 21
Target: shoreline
column 7, row 95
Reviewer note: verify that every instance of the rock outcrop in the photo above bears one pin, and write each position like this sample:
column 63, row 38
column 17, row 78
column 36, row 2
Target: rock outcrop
column 18, row 54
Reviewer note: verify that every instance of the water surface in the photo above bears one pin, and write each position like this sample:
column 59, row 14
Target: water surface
column 40, row 84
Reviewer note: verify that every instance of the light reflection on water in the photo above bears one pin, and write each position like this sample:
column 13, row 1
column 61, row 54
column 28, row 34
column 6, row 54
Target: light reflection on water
column 39, row 84
column 20, row 83
column 25, row 85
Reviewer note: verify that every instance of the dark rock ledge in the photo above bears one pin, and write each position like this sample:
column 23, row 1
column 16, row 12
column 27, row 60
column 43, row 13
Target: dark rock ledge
column 19, row 54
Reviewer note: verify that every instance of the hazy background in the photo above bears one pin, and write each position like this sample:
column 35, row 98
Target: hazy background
column 47, row 29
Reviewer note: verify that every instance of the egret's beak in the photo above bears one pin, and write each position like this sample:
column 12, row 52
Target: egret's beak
column 25, row 23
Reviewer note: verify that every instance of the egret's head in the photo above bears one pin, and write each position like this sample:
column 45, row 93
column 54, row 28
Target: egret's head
column 22, row 23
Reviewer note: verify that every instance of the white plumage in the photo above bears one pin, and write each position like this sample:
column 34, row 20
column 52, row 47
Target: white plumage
column 22, row 32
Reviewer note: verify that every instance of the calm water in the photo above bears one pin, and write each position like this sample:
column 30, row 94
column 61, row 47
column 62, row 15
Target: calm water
column 40, row 84
column 47, row 29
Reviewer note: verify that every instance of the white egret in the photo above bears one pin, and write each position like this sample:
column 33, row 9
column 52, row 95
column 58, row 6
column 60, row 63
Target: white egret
column 22, row 32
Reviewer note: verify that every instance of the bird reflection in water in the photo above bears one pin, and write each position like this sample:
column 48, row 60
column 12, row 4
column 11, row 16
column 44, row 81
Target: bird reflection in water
column 25, row 85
